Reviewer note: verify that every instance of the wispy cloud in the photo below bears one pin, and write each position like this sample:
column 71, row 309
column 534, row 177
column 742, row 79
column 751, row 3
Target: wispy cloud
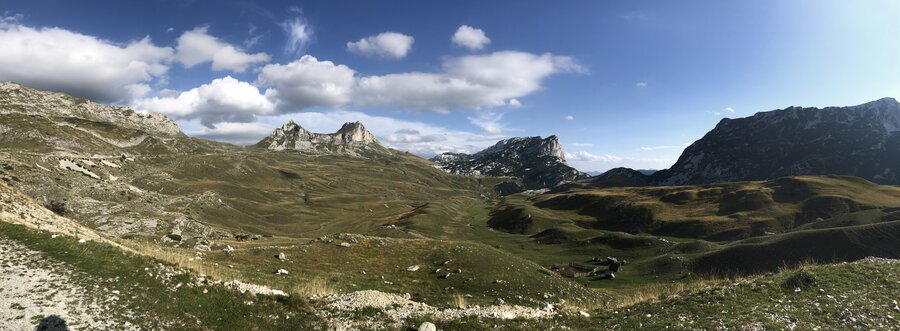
column 725, row 111
column 489, row 122
column 299, row 33
column 569, row 118
column 253, row 38
column 655, row 148
column 588, row 157
column 641, row 84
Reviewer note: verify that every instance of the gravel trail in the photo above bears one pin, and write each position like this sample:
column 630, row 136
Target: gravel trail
column 33, row 287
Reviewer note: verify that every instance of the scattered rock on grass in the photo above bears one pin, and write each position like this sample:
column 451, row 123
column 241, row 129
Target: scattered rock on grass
column 281, row 272
column 413, row 268
column 427, row 326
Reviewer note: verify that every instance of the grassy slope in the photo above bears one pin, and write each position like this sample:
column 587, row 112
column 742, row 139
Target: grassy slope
column 163, row 306
column 291, row 194
column 479, row 274
column 721, row 211
column 766, row 254
column 842, row 296
column 575, row 225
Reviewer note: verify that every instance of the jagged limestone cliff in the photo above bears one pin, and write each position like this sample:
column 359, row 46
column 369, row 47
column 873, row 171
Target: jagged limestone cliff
column 351, row 139
column 540, row 163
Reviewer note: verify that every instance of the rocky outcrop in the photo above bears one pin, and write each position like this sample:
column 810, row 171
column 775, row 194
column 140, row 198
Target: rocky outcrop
column 18, row 99
column 540, row 163
column 862, row 141
column 351, row 139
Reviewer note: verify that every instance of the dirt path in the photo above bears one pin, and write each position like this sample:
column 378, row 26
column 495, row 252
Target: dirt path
column 32, row 287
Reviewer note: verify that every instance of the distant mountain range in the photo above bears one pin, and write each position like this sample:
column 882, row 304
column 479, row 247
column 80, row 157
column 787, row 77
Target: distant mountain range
column 862, row 141
column 540, row 163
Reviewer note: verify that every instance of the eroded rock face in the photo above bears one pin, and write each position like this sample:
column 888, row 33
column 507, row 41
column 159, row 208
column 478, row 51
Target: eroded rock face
column 16, row 98
column 538, row 162
column 350, row 139
column 862, row 141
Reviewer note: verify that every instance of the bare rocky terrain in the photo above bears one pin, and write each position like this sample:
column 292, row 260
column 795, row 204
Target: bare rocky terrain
column 33, row 287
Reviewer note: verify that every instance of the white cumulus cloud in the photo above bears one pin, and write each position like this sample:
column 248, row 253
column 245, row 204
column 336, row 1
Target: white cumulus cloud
column 61, row 60
column 469, row 37
column 728, row 110
column 386, row 45
column 569, row 118
column 222, row 100
column 197, row 46
column 468, row 82
column 308, row 82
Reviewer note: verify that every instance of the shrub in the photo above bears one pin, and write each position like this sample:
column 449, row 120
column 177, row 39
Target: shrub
column 802, row 279
column 57, row 207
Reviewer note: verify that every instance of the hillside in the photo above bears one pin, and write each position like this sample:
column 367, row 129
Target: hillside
column 135, row 290
column 667, row 233
column 194, row 196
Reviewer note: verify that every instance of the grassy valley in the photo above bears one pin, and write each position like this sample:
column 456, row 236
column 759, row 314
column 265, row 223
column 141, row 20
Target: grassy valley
column 379, row 238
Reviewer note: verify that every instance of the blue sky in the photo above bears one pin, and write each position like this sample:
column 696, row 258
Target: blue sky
column 622, row 83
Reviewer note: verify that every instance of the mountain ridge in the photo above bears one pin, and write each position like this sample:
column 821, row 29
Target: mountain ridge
column 861, row 140
column 18, row 98
column 352, row 139
column 540, row 163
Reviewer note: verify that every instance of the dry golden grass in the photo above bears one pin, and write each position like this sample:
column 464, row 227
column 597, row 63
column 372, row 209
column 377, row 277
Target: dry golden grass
column 659, row 292
column 316, row 286
column 459, row 301
column 181, row 258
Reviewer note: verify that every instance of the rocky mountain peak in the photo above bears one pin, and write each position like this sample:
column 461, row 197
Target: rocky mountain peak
column 540, row 162
column 528, row 146
column 859, row 140
column 350, row 139
column 290, row 128
column 886, row 102
column 550, row 146
column 355, row 132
